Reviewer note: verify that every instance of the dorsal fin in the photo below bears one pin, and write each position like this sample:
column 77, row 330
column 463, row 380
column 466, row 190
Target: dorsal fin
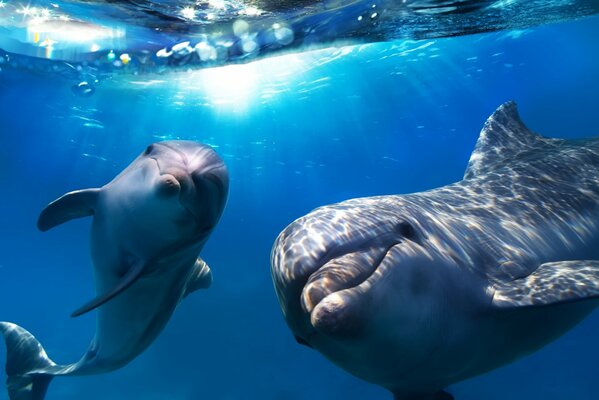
column 501, row 139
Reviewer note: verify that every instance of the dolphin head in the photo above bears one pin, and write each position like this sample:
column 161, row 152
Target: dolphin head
column 362, row 271
column 173, row 190
column 193, row 174
column 324, row 257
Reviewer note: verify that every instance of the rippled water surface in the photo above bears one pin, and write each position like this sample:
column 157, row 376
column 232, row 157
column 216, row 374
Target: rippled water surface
column 153, row 36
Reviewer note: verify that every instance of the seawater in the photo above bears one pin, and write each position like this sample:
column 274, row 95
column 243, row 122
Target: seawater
column 297, row 131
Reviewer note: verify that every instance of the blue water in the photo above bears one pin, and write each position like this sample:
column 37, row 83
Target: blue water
column 296, row 132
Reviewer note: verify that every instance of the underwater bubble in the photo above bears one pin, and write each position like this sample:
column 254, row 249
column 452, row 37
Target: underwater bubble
column 83, row 89
column 249, row 46
column 205, row 51
column 240, row 28
column 283, row 34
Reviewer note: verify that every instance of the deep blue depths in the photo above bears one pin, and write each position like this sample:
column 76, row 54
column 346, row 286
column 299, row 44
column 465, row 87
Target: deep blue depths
column 375, row 121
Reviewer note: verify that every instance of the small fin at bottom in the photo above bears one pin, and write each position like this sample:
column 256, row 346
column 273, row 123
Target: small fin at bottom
column 441, row 395
column 200, row 278
column 135, row 271
column 551, row 283
column 27, row 365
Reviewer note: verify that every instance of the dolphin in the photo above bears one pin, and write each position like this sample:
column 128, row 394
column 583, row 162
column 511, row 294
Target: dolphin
column 416, row 292
column 149, row 225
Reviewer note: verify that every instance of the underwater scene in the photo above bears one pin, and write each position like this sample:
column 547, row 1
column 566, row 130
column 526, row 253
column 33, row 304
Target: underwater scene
column 388, row 199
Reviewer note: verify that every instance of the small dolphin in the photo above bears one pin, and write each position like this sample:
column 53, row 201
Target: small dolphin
column 149, row 225
column 416, row 292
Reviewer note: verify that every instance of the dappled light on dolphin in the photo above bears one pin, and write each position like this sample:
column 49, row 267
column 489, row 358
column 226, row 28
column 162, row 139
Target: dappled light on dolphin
column 416, row 292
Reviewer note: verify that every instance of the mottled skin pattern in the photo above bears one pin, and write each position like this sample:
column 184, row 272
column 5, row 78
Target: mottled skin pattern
column 149, row 225
column 415, row 292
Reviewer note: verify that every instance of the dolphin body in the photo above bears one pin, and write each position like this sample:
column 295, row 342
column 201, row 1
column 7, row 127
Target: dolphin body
column 415, row 292
column 149, row 225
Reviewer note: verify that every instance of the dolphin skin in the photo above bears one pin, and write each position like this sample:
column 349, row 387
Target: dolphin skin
column 415, row 292
column 149, row 225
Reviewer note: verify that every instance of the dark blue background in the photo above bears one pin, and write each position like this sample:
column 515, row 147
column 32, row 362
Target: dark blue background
column 296, row 132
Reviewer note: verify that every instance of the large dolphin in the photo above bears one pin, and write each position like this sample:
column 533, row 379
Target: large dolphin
column 415, row 292
column 149, row 225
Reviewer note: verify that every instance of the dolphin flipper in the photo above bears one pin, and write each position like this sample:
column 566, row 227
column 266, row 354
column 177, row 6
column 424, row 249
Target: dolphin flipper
column 551, row 283
column 127, row 280
column 77, row 204
column 200, row 278
column 28, row 368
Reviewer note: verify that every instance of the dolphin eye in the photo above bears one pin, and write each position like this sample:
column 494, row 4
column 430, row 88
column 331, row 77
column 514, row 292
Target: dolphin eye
column 149, row 150
column 406, row 230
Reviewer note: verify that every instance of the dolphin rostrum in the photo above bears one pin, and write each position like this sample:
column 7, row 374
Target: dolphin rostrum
column 415, row 292
column 149, row 225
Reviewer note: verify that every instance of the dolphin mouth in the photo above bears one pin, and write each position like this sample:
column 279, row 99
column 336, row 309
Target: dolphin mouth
column 342, row 272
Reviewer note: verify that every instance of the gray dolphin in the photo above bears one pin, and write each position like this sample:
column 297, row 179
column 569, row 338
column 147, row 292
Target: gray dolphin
column 149, row 225
column 415, row 292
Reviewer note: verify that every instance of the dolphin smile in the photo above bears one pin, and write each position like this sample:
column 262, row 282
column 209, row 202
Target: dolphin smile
column 342, row 272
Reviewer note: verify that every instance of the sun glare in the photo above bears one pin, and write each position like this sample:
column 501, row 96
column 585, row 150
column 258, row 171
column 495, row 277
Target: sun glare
column 239, row 88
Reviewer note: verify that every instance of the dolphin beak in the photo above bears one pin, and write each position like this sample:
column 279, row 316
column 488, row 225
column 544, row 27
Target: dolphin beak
column 345, row 312
column 344, row 272
column 318, row 282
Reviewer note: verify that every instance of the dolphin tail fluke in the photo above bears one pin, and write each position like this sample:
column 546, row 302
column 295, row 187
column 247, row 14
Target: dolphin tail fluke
column 27, row 366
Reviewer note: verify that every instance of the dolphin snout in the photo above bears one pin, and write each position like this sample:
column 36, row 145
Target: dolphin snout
column 196, row 174
column 323, row 263
column 341, row 273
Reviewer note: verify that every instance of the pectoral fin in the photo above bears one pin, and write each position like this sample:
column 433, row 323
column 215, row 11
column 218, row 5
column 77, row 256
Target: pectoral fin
column 551, row 283
column 127, row 280
column 200, row 278
column 77, row 204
